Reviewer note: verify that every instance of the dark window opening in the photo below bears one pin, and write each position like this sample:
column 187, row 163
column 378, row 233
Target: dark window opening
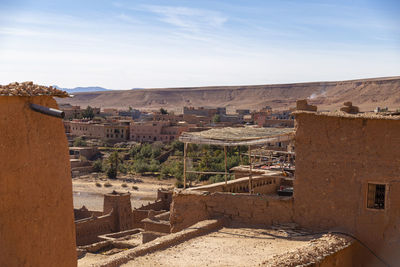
column 376, row 196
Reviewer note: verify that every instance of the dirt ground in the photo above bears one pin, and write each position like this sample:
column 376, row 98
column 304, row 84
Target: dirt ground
column 85, row 191
column 230, row 246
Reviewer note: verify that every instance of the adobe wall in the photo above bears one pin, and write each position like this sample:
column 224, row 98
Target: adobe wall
column 36, row 210
column 353, row 255
column 335, row 159
column 190, row 207
column 263, row 184
column 88, row 230
column 120, row 206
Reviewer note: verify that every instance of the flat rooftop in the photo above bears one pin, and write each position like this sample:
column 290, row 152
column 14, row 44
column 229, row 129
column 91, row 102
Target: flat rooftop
column 360, row 115
column 240, row 245
column 235, row 136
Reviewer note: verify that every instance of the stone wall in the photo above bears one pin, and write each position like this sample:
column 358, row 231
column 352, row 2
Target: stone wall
column 190, row 207
column 36, row 210
column 336, row 158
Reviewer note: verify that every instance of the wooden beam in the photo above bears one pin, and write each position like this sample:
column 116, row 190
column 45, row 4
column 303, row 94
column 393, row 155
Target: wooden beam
column 206, row 172
column 226, row 166
column 250, row 173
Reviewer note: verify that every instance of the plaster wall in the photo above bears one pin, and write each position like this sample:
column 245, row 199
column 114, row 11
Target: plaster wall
column 336, row 158
column 36, row 210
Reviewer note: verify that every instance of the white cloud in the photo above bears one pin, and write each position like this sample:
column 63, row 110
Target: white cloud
column 191, row 19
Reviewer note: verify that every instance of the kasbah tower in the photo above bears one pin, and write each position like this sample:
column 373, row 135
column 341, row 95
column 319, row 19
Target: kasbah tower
column 36, row 209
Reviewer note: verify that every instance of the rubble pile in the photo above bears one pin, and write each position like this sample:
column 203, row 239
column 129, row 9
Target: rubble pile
column 314, row 252
column 30, row 89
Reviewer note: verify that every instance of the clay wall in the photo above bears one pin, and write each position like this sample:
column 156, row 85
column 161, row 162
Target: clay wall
column 260, row 185
column 36, row 210
column 82, row 213
column 336, row 158
column 120, row 206
column 156, row 205
column 88, row 230
column 190, row 207
column 138, row 216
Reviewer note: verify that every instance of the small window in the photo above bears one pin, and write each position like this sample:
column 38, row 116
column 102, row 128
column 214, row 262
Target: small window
column 376, row 196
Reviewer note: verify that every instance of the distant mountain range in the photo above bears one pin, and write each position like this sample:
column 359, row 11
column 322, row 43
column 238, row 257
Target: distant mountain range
column 82, row 89
column 330, row 95
column 86, row 89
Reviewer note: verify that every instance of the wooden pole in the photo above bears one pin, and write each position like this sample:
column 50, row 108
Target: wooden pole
column 240, row 156
column 226, row 167
column 250, row 173
column 184, row 164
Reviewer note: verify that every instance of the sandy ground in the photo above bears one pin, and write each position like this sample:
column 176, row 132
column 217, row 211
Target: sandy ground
column 85, row 191
column 226, row 247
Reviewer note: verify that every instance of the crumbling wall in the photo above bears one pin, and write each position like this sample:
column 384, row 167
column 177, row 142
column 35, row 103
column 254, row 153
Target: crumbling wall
column 189, row 207
column 336, row 158
column 36, row 210
column 82, row 213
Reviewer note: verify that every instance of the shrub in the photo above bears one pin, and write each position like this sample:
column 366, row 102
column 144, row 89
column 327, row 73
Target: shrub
column 134, row 187
column 111, row 172
column 98, row 165
column 98, row 184
column 140, row 166
column 79, row 141
column 124, row 185
column 107, row 184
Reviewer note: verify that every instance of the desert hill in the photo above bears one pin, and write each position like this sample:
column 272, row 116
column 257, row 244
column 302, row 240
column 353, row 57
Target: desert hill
column 365, row 93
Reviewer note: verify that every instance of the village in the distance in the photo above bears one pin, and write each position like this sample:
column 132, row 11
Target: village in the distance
column 199, row 133
column 132, row 187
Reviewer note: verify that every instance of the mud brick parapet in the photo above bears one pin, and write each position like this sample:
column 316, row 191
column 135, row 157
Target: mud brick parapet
column 190, row 207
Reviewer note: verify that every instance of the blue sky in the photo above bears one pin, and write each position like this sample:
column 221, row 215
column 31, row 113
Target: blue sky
column 143, row 44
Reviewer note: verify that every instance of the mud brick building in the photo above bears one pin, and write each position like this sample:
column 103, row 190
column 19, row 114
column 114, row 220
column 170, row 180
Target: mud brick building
column 348, row 177
column 36, row 211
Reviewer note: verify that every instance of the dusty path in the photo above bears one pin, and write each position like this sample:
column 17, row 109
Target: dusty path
column 226, row 247
column 85, row 191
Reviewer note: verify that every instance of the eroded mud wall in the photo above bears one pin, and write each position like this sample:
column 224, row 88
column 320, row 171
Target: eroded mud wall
column 36, row 211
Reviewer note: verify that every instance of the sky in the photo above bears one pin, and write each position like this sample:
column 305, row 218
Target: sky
column 125, row 44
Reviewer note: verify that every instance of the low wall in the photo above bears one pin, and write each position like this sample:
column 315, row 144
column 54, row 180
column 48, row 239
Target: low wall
column 263, row 184
column 189, row 207
column 139, row 215
column 160, row 243
column 88, row 230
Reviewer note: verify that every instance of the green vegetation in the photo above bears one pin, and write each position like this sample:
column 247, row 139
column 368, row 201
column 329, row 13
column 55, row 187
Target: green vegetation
column 113, row 162
column 216, row 118
column 97, row 165
column 166, row 161
column 79, row 141
column 88, row 113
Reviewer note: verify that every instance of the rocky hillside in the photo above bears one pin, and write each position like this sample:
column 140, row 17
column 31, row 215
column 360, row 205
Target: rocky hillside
column 365, row 93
